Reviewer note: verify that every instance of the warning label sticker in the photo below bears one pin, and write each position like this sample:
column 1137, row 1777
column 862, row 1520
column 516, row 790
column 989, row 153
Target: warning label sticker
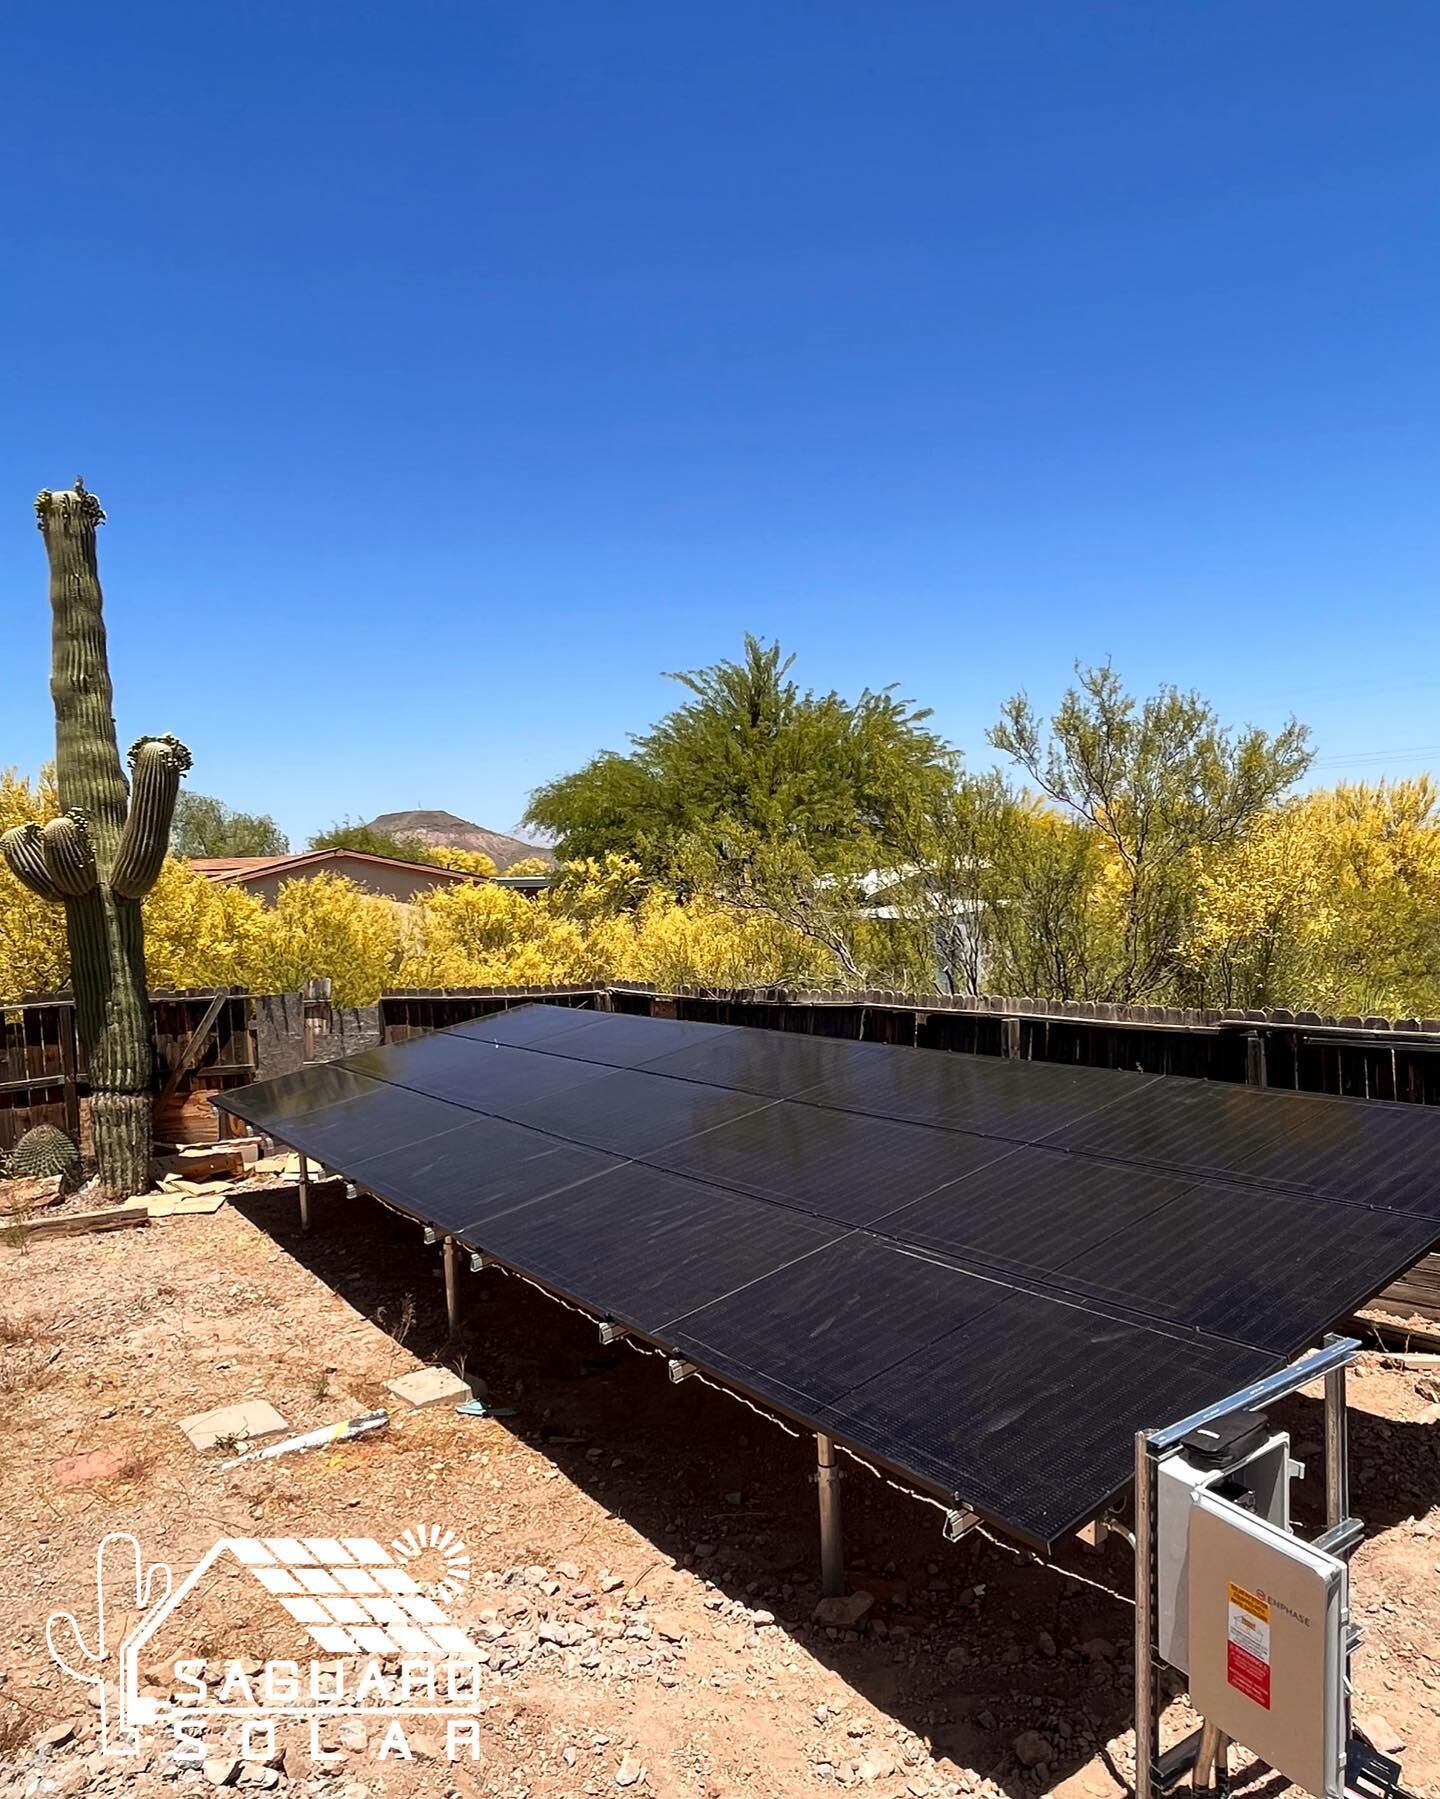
column 1247, row 1654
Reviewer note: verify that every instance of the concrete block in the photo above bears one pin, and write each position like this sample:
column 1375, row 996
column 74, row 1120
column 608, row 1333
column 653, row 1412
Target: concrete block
column 245, row 1423
column 429, row 1386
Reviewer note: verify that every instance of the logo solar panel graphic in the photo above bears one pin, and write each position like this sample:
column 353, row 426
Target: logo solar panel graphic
column 353, row 1598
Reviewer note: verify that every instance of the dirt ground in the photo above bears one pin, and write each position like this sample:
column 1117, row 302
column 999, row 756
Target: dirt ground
column 643, row 1558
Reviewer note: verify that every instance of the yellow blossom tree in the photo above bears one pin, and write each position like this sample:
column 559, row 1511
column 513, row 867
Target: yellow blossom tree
column 465, row 862
column 33, row 956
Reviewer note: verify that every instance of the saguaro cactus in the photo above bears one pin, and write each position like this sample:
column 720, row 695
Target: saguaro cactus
column 101, row 856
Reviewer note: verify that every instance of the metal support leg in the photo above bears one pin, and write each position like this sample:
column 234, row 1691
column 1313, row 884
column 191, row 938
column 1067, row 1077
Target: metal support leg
column 1212, row 1762
column 452, row 1288
column 304, row 1191
column 832, row 1549
column 1146, row 1721
column 1337, row 1450
column 1337, row 1501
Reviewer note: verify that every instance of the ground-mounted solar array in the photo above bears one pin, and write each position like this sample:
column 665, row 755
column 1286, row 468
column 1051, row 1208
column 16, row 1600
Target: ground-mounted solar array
column 984, row 1274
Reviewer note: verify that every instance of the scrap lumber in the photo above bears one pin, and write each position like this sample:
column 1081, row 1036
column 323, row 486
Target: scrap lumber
column 82, row 1224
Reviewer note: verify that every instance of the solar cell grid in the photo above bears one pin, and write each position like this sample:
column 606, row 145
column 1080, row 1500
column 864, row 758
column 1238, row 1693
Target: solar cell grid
column 831, row 1320
column 461, row 1178
column 641, row 1247
column 841, row 1165
column 976, row 1093
column 630, row 1113
column 1029, row 1412
column 1034, row 1211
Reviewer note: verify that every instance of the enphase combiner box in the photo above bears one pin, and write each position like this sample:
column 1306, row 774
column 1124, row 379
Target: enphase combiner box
column 1237, row 1456
column 1268, row 1616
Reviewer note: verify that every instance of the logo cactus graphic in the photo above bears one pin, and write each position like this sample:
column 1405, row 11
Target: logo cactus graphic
column 123, row 1582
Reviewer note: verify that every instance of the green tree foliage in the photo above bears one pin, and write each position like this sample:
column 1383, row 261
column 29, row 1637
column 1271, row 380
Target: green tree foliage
column 1158, row 786
column 749, row 759
column 205, row 826
column 350, row 836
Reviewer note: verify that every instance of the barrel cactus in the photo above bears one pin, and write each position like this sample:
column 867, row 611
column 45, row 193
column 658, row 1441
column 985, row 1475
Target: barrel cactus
column 45, row 1151
column 101, row 856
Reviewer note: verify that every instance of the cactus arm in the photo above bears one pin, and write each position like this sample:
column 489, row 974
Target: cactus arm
column 157, row 764
column 23, row 848
column 69, row 858
column 76, row 1654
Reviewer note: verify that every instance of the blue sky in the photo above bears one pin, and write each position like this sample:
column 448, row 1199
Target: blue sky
column 450, row 370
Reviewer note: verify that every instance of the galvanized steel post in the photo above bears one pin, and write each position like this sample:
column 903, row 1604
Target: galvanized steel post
column 452, row 1291
column 832, row 1549
column 1146, row 1739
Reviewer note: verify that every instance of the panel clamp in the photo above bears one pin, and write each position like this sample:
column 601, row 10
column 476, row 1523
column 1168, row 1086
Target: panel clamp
column 959, row 1522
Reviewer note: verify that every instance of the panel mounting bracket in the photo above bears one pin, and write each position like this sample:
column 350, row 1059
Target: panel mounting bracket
column 680, row 1369
column 615, row 1333
column 479, row 1263
column 959, row 1522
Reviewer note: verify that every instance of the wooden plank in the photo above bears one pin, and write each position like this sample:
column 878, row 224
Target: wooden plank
column 193, row 1046
column 81, row 1224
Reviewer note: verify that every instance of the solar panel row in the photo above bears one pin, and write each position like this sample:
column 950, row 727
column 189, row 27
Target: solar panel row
column 987, row 1275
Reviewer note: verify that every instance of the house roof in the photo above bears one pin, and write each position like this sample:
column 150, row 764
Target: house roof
column 236, row 870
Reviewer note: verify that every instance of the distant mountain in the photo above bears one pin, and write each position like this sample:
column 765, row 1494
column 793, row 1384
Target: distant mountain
column 442, row 830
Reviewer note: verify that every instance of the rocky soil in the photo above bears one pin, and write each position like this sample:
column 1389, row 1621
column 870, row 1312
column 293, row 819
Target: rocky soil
column 643, row 1578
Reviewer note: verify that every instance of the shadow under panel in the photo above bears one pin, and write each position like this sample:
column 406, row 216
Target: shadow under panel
column 644, row 1247
column 471, row 1174
column 1034, row 1211
column 1272, row 1270
column 629, row 1113
column 1022, row 1101
column 1029, row 1413
column 840, row 1165
column 777, row 1064
column 472, row 1073
column 810, row 1332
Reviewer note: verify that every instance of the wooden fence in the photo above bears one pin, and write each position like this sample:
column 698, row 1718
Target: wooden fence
column 207, row 1041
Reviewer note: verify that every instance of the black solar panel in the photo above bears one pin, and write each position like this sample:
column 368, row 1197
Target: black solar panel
column 1024, row 1101
column 1034, row 1211
column 608, row 1037
column 629, row 1113
column 1257, row 1267
column 366, row 1117
column 984, row 1274
column 777, row 1064
column 832, row 1320
column 645, row 1247
column 838, row 1164
column 467, row 1070
column 1029, row 1412
column 464, row 1177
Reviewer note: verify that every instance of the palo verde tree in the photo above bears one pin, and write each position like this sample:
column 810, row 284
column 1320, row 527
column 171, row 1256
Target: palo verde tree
column 101, row 855
column 1158, row 786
